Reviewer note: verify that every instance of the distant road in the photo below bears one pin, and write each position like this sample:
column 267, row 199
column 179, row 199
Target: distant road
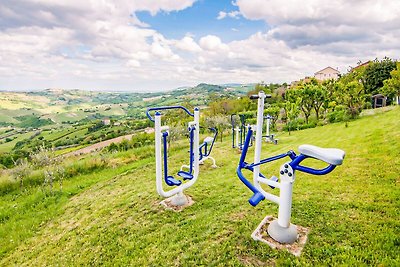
column 98, row 146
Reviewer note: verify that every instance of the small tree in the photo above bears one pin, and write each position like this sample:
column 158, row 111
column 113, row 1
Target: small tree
column 292, row 112
column 46, row 159
column 21, row 171
column 273, row 111
column 319, row 97
column 220, row 122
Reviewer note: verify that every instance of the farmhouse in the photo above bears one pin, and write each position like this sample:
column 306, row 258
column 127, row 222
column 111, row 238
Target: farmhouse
column 106, row 121
column 326, row 74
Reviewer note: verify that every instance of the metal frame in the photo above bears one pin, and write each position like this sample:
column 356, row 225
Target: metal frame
column 239, row 133
column 161, row 134
column 282, row 231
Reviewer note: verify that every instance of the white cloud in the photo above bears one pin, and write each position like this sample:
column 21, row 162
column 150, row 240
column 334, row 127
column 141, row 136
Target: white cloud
column 103, row 45
column 232, row 14
column 221, row 15
column 187, row 43
column 314, row 23
column 212, row 43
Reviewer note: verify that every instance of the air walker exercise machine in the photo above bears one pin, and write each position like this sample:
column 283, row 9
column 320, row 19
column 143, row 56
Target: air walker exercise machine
column 161, row 155
column 281, row 229
column 205, row 149
column 239, row 133
column 269, row 137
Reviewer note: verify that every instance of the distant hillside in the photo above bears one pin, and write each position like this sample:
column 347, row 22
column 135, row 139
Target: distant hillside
column 70, row 106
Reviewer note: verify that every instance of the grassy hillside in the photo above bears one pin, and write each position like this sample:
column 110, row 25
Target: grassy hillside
column 61, row 106
column 113, row 217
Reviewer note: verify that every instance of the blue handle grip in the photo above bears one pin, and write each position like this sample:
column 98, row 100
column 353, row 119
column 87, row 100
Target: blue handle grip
column 164, row 108
column 256, row 198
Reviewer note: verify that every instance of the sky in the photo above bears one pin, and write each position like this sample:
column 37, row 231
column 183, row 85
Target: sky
column 158, row 45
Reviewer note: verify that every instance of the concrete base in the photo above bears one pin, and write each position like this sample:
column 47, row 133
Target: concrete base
column 177, row 203
column 261, row 234
column 179, row 200
column 281, row 234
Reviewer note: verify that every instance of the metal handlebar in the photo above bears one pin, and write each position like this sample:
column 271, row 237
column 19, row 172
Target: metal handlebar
column 252, row 97
column 165, row 108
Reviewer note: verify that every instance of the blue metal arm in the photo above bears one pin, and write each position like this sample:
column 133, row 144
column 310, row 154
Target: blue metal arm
column 295, row 164
column 165, row 108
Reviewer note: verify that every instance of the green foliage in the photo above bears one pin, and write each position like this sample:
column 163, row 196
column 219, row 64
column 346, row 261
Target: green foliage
column 391, row 87
column 376, row 73
column 33, row 121
column 339, row 114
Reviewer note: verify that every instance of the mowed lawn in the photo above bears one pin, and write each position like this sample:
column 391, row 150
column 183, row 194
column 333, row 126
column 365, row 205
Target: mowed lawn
column 352, row 213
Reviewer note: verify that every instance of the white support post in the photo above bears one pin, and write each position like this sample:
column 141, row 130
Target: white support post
column 281, row 229
column 258, row 141
column 237, row 136
column 285, row 195
column 158, row 136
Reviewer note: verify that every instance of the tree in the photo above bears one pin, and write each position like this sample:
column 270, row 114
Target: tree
column 376, row 73
column 391, row 86
column 352, row 95
column 292, row 111
column 21, row 170
column 306, row 96
column 46, row 159
column 220, row 122
column 273, row 111
column 319, row 97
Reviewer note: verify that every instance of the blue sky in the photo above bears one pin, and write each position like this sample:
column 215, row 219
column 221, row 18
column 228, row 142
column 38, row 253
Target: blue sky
column 157, row 45
column 201, row 19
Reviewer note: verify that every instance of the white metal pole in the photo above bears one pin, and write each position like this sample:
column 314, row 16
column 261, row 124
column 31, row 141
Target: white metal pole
column 196, row 143
column 285, row 204
column 237, row 136
column 285, row 196
column 268, row 121
column 258, row 141
column 158, row 155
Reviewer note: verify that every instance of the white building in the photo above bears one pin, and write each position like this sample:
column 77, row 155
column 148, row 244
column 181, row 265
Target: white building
column 326, row 74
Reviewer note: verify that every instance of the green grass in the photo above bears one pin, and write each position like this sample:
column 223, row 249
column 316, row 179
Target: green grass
column 113, row 218
column 8, row 146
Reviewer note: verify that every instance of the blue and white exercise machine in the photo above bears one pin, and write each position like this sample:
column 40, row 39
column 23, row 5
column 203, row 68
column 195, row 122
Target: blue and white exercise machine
column 239, row 132
column 269, row 137
column 281, row 229
column 161, row 155
column 205, row 149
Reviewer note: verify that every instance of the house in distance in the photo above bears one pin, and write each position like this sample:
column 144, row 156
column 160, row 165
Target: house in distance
column 326, row 74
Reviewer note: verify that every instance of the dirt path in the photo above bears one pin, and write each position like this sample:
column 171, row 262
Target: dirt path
column 98, row 145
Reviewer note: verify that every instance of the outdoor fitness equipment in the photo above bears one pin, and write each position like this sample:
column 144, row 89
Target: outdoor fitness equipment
column 205, row 149
column 281, row 229
column 239, row 133
column 269, row 137
column 161, row 134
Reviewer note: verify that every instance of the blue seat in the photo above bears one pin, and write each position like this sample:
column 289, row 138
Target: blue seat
column 185, row 175
column 171, row 181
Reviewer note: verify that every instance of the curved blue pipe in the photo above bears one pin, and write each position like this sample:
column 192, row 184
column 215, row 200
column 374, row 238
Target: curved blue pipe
column 165, row 108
